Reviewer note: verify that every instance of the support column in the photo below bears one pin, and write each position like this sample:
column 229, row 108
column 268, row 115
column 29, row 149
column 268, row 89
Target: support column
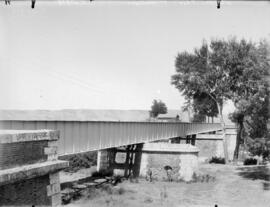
column 105, row 159
column 193, row 139
column 102, row 160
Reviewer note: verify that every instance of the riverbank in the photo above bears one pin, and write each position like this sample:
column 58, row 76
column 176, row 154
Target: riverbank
column 232, row 186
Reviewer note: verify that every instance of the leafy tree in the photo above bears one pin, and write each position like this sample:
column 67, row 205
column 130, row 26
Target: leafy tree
column 198, row 118
column 251, row 116
column 203, row 106
column 221, row 71
column 158, row 107
column 205, row 72
column 260, row 147
column 250, row 90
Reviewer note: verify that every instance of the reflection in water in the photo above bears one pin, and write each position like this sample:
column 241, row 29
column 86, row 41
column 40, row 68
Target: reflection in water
column 257, row 173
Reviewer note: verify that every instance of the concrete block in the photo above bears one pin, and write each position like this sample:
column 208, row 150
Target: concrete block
column 53, row 189
column 12, row 136
column 56, row 200
column 54, row 178
column 187, row 166
column 52, row 157
column 50, row 150
column 53, row 144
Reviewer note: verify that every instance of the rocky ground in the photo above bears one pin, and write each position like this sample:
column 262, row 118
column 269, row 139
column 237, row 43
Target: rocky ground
column 224, row 185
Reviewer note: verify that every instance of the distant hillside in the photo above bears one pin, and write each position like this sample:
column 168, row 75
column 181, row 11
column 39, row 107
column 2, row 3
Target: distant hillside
column 79, row 115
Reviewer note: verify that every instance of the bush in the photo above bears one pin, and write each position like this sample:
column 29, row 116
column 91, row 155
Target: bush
column 260, row 147
column 250, row 161
column 217, row 160
column 102, row 173
column 78, row 161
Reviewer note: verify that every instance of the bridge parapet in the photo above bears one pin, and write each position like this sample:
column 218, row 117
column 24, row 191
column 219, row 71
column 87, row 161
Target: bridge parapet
column 29, row 169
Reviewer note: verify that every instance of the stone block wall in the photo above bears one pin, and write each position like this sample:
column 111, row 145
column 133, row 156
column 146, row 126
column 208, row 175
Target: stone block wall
column 29, row 168
column 19, row 153
column 210, row 148
column 182, row 160
column 155, row 162
column 27, row 192
column 214, row 147
column 164, row 160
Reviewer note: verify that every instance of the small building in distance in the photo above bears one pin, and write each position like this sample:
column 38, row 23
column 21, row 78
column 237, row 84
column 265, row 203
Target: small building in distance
column 169, row 117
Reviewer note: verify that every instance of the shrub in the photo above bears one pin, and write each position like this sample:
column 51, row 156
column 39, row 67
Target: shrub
column 83, row 160
column 250, row 161
column 260, row 147
column 102, row 173
column 217, row 160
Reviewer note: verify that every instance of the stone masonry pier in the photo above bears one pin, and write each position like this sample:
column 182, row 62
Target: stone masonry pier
column 181, row 161
column 160, row 159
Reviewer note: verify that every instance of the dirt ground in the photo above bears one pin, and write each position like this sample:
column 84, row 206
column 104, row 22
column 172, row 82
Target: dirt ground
column 80, row 174
column 231, row 187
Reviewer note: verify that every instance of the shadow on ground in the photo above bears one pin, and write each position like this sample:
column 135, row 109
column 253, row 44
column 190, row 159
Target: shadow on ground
column 256, row 173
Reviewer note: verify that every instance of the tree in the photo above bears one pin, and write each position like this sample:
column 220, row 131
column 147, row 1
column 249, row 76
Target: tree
column 251, row 116
column 198, row 118
column 221, row 71
column 250, row 90
column 158, row 107
column 203, row 106
column 251, row 97
column 204, row 72
column 238, row 118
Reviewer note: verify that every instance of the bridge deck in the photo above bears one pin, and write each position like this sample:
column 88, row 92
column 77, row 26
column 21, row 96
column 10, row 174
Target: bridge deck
column 83, row 136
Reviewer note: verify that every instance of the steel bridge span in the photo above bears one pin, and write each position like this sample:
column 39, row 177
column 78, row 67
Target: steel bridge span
column 83, row 136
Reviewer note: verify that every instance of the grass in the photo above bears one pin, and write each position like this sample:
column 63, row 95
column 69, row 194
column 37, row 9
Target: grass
column 226, row 190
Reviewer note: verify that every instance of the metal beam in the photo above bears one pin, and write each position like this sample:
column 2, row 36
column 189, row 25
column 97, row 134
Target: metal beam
column 83, row 136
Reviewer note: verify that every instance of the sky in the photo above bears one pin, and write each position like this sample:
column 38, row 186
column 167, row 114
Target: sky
column 109, row 55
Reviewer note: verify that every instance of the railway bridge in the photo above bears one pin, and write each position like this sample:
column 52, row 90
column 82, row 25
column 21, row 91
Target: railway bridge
column 84, row 136
column 29, row 156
